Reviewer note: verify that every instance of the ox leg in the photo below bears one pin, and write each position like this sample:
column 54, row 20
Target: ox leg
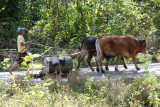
column 80, row 58
column 107, row 65
column 97, row 64
column 122, row 59
column 90, row 55
column 118, row 60
column 134, row 60
column 97, row 69
column 100, row 64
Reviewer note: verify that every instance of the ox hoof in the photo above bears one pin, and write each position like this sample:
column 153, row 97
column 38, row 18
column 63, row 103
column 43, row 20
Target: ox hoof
column 138, row 69
column 97, row 69
column 116, row 70
column 92, row 70
column 125, row 67
column 107, row 69
column 103, row 71
column 77, row 69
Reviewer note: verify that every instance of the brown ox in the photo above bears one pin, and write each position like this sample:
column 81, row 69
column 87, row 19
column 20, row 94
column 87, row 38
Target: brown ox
column 88, row 47
column 120, row 46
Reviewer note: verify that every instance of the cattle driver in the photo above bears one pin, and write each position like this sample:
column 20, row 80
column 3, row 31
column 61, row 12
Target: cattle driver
column 21, row 49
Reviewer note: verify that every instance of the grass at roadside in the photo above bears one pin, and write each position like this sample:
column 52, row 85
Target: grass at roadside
column 128, row 92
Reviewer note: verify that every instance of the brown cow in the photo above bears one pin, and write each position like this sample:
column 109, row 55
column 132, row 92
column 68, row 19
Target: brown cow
column 120, row 46
column 88, row 47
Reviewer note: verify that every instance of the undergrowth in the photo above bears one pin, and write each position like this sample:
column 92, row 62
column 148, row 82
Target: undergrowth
column 82, row 92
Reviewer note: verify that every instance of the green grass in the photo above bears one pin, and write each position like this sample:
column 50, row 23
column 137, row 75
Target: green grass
column 126, row 92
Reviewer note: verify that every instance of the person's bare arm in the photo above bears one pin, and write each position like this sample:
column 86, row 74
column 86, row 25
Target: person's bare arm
column 27, row 43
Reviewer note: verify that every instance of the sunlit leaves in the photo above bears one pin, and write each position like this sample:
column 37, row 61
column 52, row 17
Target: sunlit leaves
column 69, row 21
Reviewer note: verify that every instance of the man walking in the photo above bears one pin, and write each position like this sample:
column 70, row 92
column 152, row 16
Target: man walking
column 21, row 49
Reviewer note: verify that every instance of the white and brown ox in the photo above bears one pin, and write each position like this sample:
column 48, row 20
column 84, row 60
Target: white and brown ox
column 120, row 46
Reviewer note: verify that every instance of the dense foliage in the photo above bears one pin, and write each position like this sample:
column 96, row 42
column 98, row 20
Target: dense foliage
column 69, row 21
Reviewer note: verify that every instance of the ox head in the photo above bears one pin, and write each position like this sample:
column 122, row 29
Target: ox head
column 143, row 45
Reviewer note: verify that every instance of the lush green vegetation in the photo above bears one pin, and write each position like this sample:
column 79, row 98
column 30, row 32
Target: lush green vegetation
column 66, row 22
column 128, row 92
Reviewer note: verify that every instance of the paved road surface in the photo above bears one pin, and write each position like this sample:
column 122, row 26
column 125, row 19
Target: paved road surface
column 130, row 72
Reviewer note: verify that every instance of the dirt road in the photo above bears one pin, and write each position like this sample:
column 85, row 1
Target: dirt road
column 130, row 72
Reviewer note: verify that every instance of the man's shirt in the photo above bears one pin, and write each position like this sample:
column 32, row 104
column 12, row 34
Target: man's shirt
column 20, row 39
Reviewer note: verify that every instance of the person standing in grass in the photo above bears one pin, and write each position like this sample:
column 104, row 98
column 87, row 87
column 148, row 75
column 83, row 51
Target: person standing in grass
column 21, row 49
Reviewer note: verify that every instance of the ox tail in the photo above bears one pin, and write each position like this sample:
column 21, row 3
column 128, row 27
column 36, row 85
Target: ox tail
column 99, row 51
column 73, row 56
column 82, row 43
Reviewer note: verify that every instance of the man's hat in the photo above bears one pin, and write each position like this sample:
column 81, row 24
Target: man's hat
column 20, row 29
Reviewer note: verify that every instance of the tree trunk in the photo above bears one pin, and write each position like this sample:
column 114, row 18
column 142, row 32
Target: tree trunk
column 83, row 21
